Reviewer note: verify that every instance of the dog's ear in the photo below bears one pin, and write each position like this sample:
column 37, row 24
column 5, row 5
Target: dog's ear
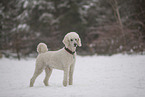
column 66, row 41
column 79, row 42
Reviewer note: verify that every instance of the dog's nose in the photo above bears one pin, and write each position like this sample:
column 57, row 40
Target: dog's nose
column 75, row 45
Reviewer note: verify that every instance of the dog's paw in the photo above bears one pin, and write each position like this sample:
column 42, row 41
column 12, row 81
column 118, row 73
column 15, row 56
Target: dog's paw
column 64, row 83
column 31, row 85
column 46, row 83
column 70, row 82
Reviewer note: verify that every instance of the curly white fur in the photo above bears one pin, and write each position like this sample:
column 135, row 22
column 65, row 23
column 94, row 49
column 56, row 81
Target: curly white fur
column 42, row 48
column 60, row 59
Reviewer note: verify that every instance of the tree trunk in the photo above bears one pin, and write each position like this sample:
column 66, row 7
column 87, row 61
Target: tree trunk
column 114, row 5
column 18, row 55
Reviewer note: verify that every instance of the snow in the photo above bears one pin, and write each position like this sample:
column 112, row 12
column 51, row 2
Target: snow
column 94, row 76
column 25, row 4
column 45, row 15
column 22, row 27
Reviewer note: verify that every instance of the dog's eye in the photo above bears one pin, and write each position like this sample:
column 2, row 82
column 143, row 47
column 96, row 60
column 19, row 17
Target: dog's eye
column 71, row 40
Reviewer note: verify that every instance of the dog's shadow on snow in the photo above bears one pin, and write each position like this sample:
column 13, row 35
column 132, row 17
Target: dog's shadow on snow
column 52, row 85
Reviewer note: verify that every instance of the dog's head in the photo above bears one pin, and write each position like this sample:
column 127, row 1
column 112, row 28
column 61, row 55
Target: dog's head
column 72, row 39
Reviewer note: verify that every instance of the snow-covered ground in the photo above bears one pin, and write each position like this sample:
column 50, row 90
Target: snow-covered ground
column 95, row 76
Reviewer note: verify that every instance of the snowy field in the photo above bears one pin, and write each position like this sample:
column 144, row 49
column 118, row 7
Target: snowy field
column 95, row 76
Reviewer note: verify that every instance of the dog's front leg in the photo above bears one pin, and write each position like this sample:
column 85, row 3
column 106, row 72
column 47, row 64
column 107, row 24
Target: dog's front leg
column 71, row 74
column 65, row 79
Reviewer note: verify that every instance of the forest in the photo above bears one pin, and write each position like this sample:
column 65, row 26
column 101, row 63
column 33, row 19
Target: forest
column 106, row 27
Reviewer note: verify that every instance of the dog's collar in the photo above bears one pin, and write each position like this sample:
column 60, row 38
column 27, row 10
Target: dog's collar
column 69, row 51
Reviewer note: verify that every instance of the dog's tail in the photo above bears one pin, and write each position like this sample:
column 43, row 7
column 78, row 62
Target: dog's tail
column 42, row 48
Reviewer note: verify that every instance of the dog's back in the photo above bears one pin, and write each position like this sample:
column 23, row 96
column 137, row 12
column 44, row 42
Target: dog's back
column 53, row 59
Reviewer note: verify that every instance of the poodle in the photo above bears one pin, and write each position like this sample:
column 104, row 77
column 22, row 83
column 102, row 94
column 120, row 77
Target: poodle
column 63, row 59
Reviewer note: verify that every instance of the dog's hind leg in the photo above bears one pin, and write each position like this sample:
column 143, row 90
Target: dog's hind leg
column 48, row 72
column 37, row 72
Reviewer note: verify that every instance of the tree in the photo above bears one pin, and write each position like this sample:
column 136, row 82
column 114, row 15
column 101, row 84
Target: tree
column 115, row 7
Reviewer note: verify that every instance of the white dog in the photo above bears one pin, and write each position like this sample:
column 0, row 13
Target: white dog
column 63, row 59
